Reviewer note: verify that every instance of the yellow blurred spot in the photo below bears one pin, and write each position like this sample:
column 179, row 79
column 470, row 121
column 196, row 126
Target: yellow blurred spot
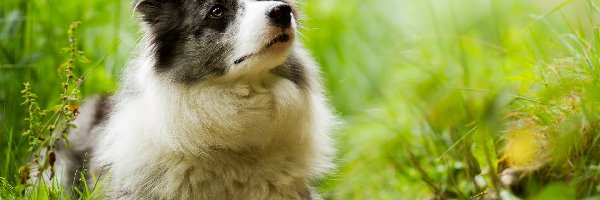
column 522, row 148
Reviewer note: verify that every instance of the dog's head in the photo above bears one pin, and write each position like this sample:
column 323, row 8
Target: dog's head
column 193, row 40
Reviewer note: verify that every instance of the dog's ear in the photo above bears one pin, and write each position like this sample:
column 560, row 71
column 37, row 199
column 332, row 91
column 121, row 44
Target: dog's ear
column 150, row 10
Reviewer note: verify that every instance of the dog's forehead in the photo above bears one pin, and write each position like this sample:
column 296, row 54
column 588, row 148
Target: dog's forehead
column 290, row 2
column 225, row 1
column 137, row 3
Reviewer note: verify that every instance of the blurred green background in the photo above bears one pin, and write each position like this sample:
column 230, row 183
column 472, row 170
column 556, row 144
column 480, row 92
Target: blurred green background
column 431, row 92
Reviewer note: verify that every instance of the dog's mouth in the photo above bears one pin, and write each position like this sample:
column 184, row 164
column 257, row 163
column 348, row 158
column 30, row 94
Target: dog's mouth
column 282, row 38
column 279, row 39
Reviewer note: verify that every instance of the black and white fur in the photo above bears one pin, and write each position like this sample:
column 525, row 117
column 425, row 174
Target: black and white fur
column 218, row 105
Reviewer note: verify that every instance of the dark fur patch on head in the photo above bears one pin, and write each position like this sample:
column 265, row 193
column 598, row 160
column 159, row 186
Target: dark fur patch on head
column 189, row 44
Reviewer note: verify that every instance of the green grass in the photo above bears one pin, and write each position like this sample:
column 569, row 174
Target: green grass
column 438, row 97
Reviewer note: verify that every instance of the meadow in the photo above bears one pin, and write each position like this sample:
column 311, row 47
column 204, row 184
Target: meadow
column 440, row 99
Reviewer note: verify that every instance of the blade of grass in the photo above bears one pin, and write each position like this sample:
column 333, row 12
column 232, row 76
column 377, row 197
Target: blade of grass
column 457, row 142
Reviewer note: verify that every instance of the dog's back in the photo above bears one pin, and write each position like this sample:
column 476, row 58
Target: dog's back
column 74, row 161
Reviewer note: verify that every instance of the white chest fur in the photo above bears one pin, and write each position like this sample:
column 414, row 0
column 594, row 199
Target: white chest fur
column 216, row 140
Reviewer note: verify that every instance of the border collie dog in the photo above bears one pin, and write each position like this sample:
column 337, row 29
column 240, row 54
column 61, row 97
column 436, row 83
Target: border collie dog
column 221, row 102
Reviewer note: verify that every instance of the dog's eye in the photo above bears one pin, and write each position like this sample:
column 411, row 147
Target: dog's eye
column 217, row 11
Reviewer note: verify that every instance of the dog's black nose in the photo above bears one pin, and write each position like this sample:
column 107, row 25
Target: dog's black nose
column 281, row 15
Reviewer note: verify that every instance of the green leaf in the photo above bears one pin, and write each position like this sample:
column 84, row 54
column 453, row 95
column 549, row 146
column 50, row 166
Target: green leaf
column 65, row 50
column 556, row 192
column 84, row 59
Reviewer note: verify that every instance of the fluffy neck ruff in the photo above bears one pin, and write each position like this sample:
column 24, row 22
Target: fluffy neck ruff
column 236, row 135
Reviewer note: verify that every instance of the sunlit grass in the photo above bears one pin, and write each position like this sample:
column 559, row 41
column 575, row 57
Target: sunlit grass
column 438, row 97
column 450, row 81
